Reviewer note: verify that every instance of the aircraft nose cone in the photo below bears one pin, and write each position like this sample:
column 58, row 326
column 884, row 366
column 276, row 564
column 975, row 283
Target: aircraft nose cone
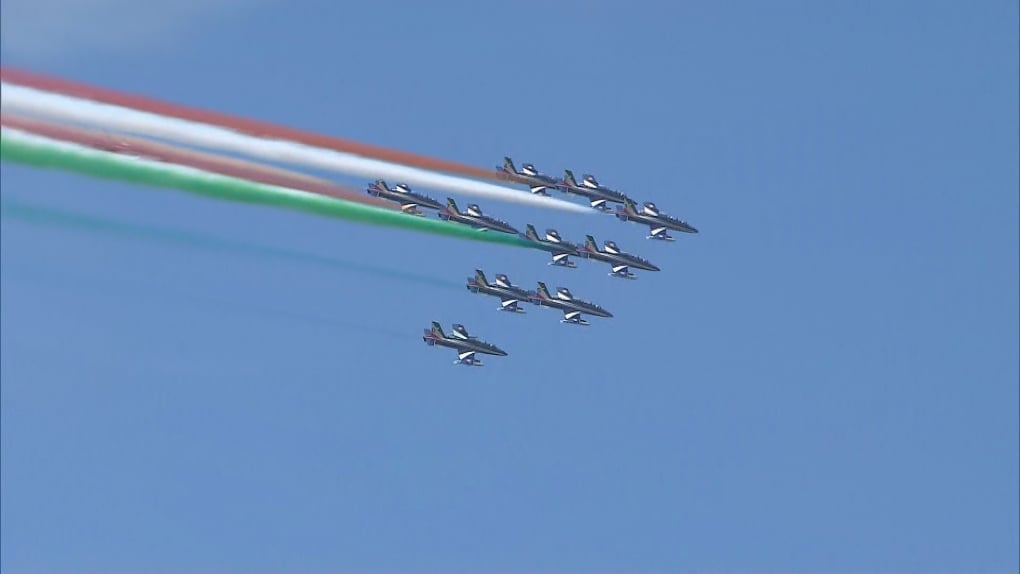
column 653, row 267
column 500, row 352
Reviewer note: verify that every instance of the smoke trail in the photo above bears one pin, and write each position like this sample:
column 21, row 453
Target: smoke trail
column 46, row 216
column 251, row 127
column 57, row 106
column 222, row 165
column 40, row 152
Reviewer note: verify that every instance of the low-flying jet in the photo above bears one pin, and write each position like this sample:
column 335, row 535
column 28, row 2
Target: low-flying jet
column 460, row 341
column 561, row 250
column 510, row 295
column 658, row 223
column 539, row 183
column 402, row 194
column 564, row 301
column 598, row 195
column 620, row 261
column 475, row 218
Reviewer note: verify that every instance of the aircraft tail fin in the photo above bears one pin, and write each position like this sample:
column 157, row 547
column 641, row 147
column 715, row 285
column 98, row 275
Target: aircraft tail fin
column 452, row 205
column 480, row 277
column 543, row 291
column 589, row 242
column 508, row 165
column 530, row 233
column 437, row 329
column 568, row 177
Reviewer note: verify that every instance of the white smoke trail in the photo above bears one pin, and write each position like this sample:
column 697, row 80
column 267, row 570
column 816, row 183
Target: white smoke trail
column 67, row 108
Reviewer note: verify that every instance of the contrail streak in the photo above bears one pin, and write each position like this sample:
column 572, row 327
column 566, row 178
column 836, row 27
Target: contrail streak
column 33, row 150
column 56, row 106
column 248, row 126
column 127, row 145
column 66, row 219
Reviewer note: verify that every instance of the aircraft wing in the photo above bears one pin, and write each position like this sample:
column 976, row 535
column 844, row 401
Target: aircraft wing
column 468, row 358
column 410, row 207
column 561, row 258
column 573, row 316
column 658, row 230
column 622, row 270
column 511, row 304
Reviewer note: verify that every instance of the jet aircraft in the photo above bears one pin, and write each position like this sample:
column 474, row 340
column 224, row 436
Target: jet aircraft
column 510, row 295
column 465, row 345
column 658, row 223
column 620, row 261
column 564, row 301
column 597, row 194
column 475, row 218
column 539, row 183
column 561, row 250
column 408, row 200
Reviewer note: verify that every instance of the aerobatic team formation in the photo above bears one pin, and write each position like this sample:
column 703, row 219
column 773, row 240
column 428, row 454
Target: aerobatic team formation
column 512, row 296
column 52, row 123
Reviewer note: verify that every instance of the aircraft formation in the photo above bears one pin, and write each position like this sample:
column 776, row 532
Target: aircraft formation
column 513, row 297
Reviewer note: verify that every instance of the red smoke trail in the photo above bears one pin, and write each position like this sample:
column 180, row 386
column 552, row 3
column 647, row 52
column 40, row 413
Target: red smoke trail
column 200, row 160
column 250, row 127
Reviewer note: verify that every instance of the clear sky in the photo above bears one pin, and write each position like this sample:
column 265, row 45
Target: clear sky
column 824, row 380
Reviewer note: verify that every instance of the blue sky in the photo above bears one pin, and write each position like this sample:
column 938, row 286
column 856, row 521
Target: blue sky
column 824, row 380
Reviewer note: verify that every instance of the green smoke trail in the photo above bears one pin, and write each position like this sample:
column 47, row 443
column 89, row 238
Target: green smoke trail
column 38, row 215
column 39, row 152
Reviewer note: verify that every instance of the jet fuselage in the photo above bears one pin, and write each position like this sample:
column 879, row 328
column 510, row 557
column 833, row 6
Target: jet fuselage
column 403, row 197
column 478, row 221
column 461, row 345
column 621, row 258
column 545, row 299
column 655, row 220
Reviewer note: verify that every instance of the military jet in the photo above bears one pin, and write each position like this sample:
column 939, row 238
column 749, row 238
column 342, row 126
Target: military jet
column 620, row 261
column 465, row 345
column 561, row 250
column 658, row 223
column 475, row 218
column 597, row 194
column 510, row 295
column 564, row 301
column 408, row 200
column 539, row 183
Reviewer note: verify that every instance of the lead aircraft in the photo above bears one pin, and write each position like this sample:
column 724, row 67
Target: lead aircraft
column 465, row 345
column 402, row 194
column 658, row 223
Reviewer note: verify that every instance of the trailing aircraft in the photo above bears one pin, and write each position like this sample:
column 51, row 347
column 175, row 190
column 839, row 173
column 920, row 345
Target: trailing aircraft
column 510, row 295
column 465, row 345
column 564, row 301
column 402, row 194
column 658, row 223
column 539, row 183
column 620, row 261
column 475, row 218
column 597, row 194
column 561, row 250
